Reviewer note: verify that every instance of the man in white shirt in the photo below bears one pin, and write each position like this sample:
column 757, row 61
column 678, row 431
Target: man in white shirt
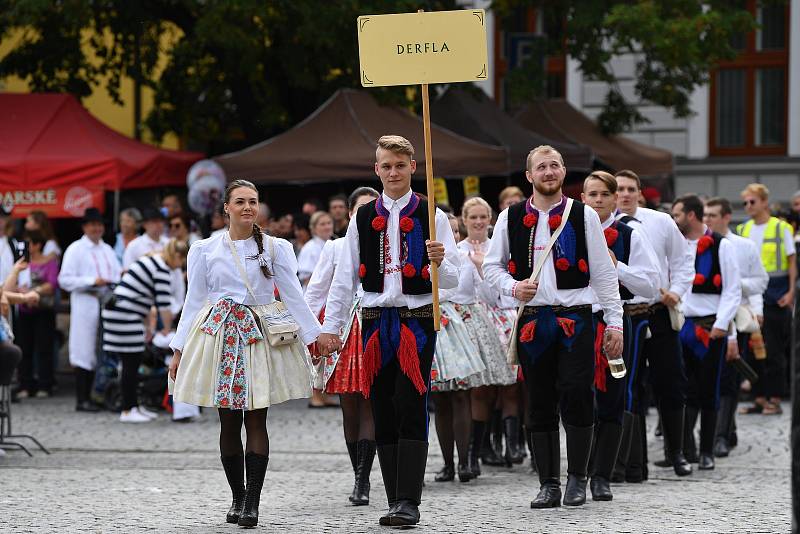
column 709, row 307
column 662, row 349
column 6, row 254
column 637, row 270
column 152, row 240
column 555, row 339
column 89, row 267
column 389, row 248
column 754, row 281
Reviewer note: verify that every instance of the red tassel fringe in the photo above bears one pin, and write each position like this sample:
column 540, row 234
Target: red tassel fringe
column 567, row 325
column 372, row 363
column 408, row 358
column 600, row 361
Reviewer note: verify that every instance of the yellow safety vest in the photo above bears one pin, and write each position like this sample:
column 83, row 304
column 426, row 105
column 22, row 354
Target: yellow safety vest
column 773, row 253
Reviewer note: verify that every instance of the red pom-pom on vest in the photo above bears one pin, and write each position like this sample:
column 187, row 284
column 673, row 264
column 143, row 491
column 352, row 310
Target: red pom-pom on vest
column 512, row 267
column 379, row 223
column 699, row 279
column 426, row 272
column 362, row 271
column 406, row 224
column 717, row 280
column 611, row 236
column 582, row 266
column 530, row 220
column 703, row 243
column 554, row 221
column 409, row 271
column 562, row 264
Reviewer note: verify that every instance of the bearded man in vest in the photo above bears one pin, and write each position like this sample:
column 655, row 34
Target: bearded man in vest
column 555, row 335
column 773, row 238
column 388, row 247
column 709, row 307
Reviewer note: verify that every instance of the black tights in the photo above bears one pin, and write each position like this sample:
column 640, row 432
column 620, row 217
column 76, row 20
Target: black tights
column 230, row 431
column 356, row 417
column 453, row 423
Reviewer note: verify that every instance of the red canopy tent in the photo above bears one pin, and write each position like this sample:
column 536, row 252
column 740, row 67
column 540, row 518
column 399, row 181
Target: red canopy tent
column 56, row 157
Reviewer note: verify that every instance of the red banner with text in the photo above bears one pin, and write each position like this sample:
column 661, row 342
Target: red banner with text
column 56, row 202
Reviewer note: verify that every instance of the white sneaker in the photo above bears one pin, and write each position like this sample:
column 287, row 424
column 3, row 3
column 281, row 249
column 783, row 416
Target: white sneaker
column 133, row 416
column 147, row 413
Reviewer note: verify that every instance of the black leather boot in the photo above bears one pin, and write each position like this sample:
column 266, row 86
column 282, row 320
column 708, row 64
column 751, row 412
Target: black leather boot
column 689, row 442
column 256, row 471
column 234, row 472
column 579, row 446
column 618, row 474
column 464, row 472
column 606, row 449
column 412, row 455
column 474, row 450
column 352, row 450
column 493, row 441
column 727, row 411
column 366, row 454
column 387, row 457
column 672, row 423
column 447, row 473
column 636, row 466
column 547, row 455
column 530, row 450
column 512, row 455
column 708, row 427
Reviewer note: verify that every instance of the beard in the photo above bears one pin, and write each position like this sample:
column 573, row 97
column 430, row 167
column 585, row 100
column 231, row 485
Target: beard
column 549, row 188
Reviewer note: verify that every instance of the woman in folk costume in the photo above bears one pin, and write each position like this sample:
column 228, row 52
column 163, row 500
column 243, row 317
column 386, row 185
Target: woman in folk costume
column 236, row 348
column 456, row 358
column 499, row 378
column 343, row 372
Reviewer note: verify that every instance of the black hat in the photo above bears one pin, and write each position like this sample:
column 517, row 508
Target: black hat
column 92, row 215
column 152, row 214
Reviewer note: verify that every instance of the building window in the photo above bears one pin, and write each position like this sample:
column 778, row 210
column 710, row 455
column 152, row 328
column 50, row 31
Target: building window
column 749, row 93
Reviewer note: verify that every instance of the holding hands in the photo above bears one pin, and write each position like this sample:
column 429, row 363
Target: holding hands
column 328, row 344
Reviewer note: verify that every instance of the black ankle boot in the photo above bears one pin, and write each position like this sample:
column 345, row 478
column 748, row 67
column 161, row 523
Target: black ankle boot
column 636, row 466
column 493, row 441
column 464, row 472
column 689, row 442
column 412, row 455
column 387, row 457
column 234, row 472
column 579, row 445
column 256, row 471
column 618, row 474
column 473, row 452
column 727, row 411
column 366, row 455
column 606, row 449
column 547, row 455
column 446, row 474
column 708, row 427
column 352, row 450
column 672, row 423
column 513, row 454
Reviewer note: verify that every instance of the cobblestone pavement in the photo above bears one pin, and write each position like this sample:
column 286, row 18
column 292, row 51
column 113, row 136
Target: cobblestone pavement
column 165, row 477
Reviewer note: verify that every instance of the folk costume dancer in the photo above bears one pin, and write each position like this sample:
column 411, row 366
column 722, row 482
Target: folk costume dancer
column 89, row 268
column 709, row 308
column 662, row 349
column 556, row 337
column 343, row 372
column 232, row 350
column 457, row 360
column 389, row 249
column 637, row 271
column 754, row 280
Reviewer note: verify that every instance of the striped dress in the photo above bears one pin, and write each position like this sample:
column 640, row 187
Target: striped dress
column 146, row 284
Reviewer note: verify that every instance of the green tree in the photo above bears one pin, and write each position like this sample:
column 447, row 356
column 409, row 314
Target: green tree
column 677, row 42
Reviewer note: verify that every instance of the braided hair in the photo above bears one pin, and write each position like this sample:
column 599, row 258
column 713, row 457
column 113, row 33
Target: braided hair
column 257, row 234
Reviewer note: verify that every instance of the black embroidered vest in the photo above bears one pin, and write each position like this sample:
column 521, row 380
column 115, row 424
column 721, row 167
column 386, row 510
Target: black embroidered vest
column 372, row 221
column 708, row 275
column 569, row 254
column 620, row 245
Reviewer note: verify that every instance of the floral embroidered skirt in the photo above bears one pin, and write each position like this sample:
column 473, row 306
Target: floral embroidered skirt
column 484, row 326
column 456, row 357
column 272, row 374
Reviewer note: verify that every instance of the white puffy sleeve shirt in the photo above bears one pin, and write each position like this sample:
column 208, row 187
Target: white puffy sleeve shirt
column 212, row 275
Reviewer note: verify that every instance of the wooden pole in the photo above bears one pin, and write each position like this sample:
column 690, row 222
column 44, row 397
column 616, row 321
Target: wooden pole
column 426, row 122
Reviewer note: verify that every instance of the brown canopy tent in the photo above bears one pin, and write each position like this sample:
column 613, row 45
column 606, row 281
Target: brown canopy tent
column 558, row 120
column 337, row 142
column 475, row 115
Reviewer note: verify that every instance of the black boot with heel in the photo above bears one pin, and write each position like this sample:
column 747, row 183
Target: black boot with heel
column 234, row 472
column 256, row 471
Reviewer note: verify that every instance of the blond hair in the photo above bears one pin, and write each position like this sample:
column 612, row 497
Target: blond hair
column 607, row 178
column 510, row 191
column 175, row 249
column 759, row 190
column 397, row 144
column 542, row 149
column 316, row 216
column 473, row 202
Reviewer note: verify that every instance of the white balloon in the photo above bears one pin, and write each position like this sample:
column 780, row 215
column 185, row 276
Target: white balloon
column 205, row 194
column 203, row 168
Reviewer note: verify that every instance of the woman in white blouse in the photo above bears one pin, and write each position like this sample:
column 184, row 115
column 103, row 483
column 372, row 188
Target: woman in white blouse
column 321, row 231
column 234, row 348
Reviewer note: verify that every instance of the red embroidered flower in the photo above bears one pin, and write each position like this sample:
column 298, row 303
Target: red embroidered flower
column 426, row 272
column 239, row 314
column 434, row 374
column 409, row 271
column 699, row 279
column 703, row 243
column 230, row 340
column 362, row 271
column 717, row 280
column 530, row 220
column 512, row 267
column 611, row 236
column 554, row 221
column 227, row 371
column 562, row 264
column 379, row 223
column 406, row 224
column 582, row 266
column 237, row 389
column 444, row 320
column 217, row 318
column 223, row 402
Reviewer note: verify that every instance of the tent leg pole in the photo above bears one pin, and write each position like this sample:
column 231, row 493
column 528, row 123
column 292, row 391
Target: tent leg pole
column 116, row 211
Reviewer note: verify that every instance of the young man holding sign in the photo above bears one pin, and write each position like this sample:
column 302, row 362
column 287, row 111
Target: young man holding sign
column 555, row 335
column 389, row 248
